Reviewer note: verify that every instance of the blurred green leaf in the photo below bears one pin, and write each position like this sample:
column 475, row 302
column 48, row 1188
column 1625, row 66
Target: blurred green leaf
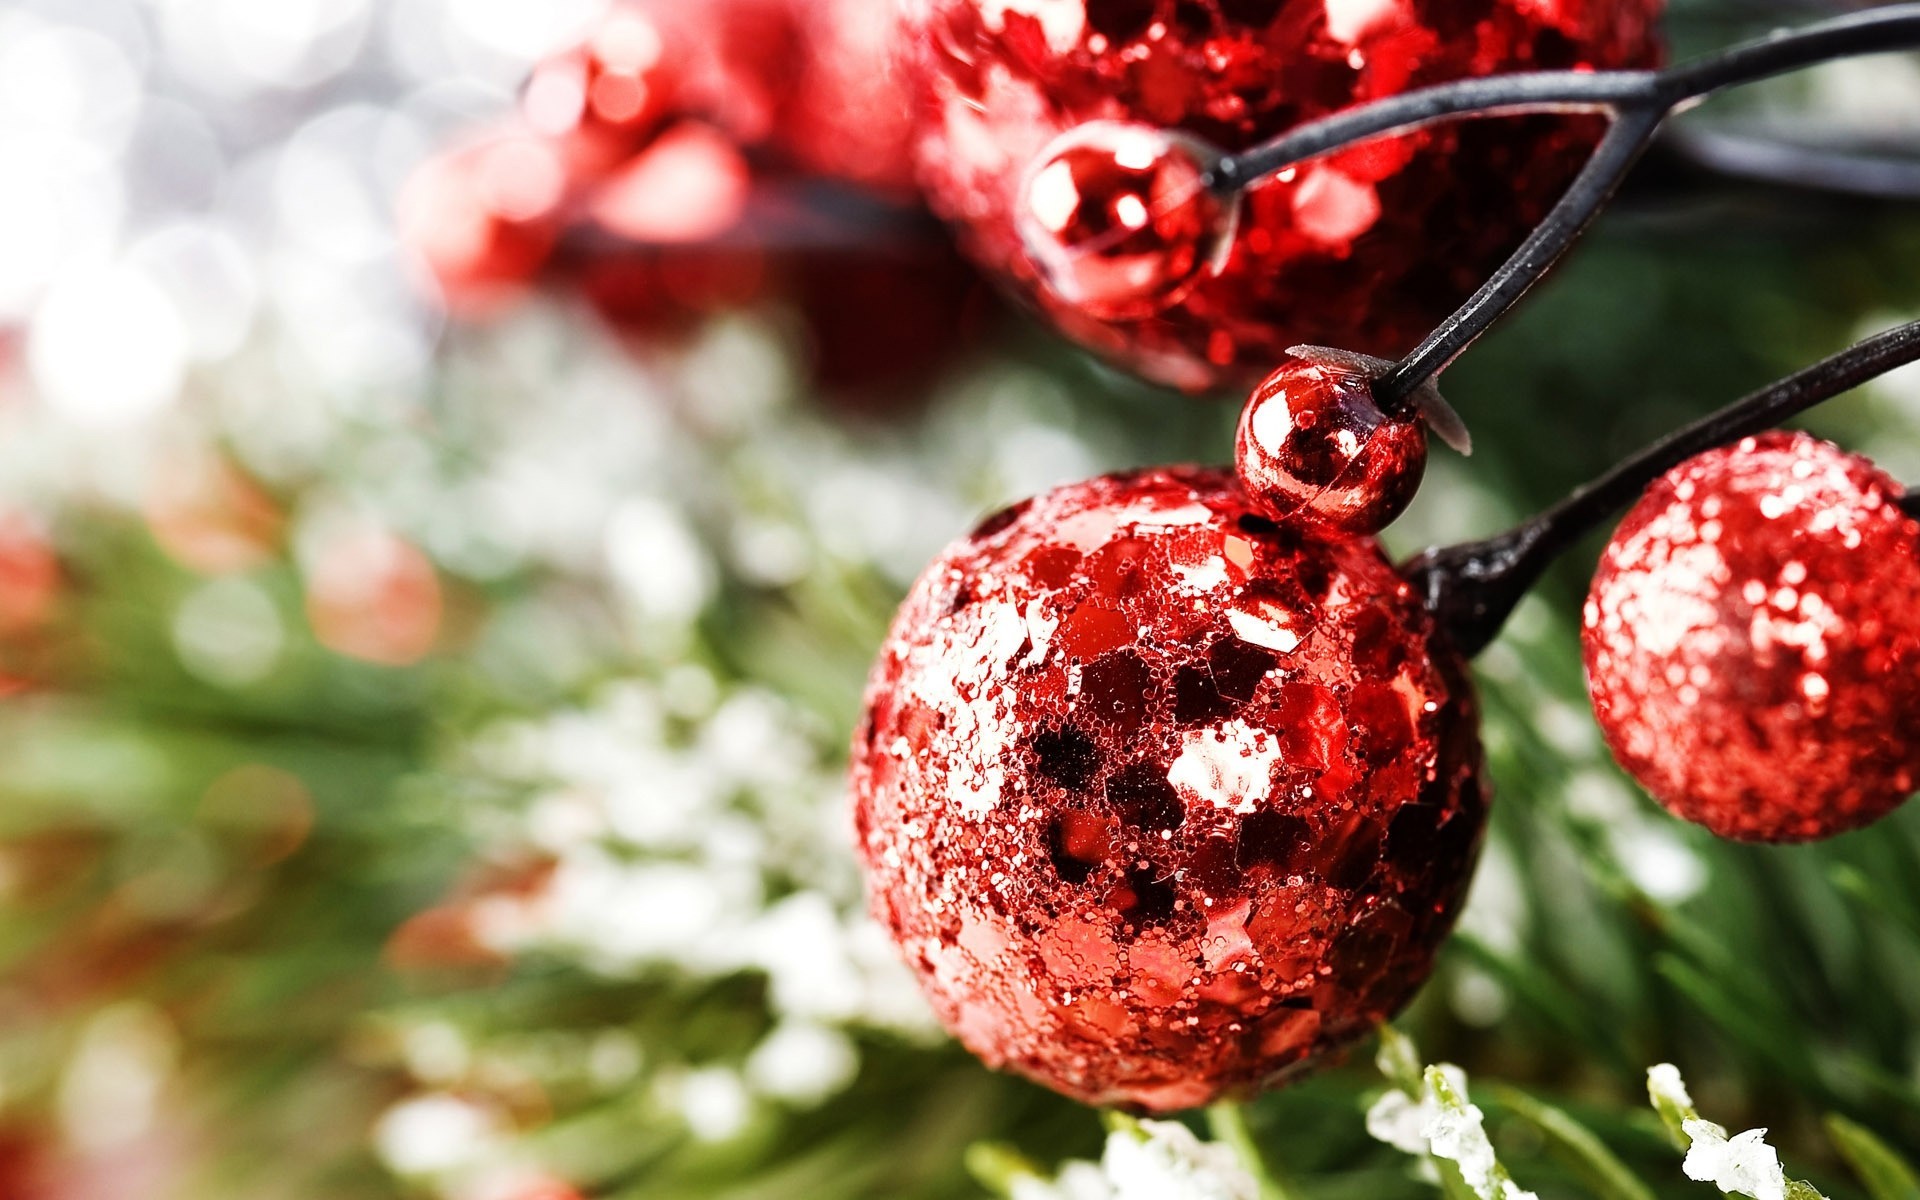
column 1885, row 1174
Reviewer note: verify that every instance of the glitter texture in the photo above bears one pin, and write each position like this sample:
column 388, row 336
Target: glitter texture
column 1753, row 641
column 1314, row 450
column 1365, row 249
column 1159, row 801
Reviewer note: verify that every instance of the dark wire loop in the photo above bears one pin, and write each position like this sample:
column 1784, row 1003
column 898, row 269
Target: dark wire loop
column 1472, row 588
column 1637, row 102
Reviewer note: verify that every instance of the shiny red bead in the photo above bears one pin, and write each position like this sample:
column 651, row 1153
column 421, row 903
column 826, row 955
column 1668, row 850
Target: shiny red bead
column 1752, row 641
column 1315, row 451
column 1366, row 248
column 1160, row 802
column 1119, row 220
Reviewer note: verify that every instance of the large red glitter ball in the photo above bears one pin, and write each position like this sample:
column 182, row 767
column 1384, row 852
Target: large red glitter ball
column 1753, row 641
column 1366, row 248
column 1160, row 802
column 1314, row 449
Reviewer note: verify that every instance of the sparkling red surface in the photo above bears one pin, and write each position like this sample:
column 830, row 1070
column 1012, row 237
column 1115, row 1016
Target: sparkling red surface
column 1364, row 249
column 1753, row 641
column 1313, row 450
column 1159, row 801
column 1119, row 220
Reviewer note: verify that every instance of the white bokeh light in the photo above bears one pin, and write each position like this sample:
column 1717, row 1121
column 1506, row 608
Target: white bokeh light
column 107, row 347
column 67, row 82
column 61, row 204
column 237, row 46
column 228, row 632
column 205, row 272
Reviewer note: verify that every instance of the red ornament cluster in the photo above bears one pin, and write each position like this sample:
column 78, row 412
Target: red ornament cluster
column 1366, row 248
column 1160, row 801
column 689, row 159
column 1753, row 641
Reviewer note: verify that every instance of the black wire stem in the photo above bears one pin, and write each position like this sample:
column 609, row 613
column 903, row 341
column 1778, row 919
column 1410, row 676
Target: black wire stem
column 1472, row 588
column 1636, row 102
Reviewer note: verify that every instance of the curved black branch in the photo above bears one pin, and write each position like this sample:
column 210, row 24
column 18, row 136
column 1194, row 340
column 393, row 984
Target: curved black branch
column 1472, row 588
column 1625, row 141
column 1799, row 161
column 1637, row 101
column 1493, row 95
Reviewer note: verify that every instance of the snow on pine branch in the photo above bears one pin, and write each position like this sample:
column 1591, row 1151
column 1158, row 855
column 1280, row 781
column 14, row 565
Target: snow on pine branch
column 1740, row 1165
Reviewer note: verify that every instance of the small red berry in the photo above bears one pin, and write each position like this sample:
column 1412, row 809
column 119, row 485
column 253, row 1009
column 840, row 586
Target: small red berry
column 1159, row 802
column 1119, row 219
column 1753, row 641
column 1315, row 451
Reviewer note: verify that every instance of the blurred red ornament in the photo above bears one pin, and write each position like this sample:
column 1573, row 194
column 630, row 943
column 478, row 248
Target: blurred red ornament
column 1366, row 248
column 483, row 218
column 1160, row 802
column 878, row 299
column 209, row 516
column 29, row 577
column 1315, row 451
column 815, row 84
column 689, row 186
column 1753, row 641
column 606, row 96
column 713, row 157
column 1118, row 218
column 374, row 597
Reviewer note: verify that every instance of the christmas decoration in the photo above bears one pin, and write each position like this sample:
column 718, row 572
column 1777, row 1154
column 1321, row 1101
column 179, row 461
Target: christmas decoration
column 688, row 160
column 810, row 82
column 483, row 218
column 1314, row 450
column 1753, row 641
column 606, row 96
column 1365, row 248
column 1120, row 221
column 1161, row 802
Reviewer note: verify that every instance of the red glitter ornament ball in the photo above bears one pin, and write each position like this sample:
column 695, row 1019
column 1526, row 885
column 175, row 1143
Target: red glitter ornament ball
column 1366, row 248
column 1159, row 801
column 1753, row 641
column 1315, row 451
column 1119, row 219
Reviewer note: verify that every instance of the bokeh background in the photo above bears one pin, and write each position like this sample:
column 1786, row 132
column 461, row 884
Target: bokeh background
column 421, row 748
